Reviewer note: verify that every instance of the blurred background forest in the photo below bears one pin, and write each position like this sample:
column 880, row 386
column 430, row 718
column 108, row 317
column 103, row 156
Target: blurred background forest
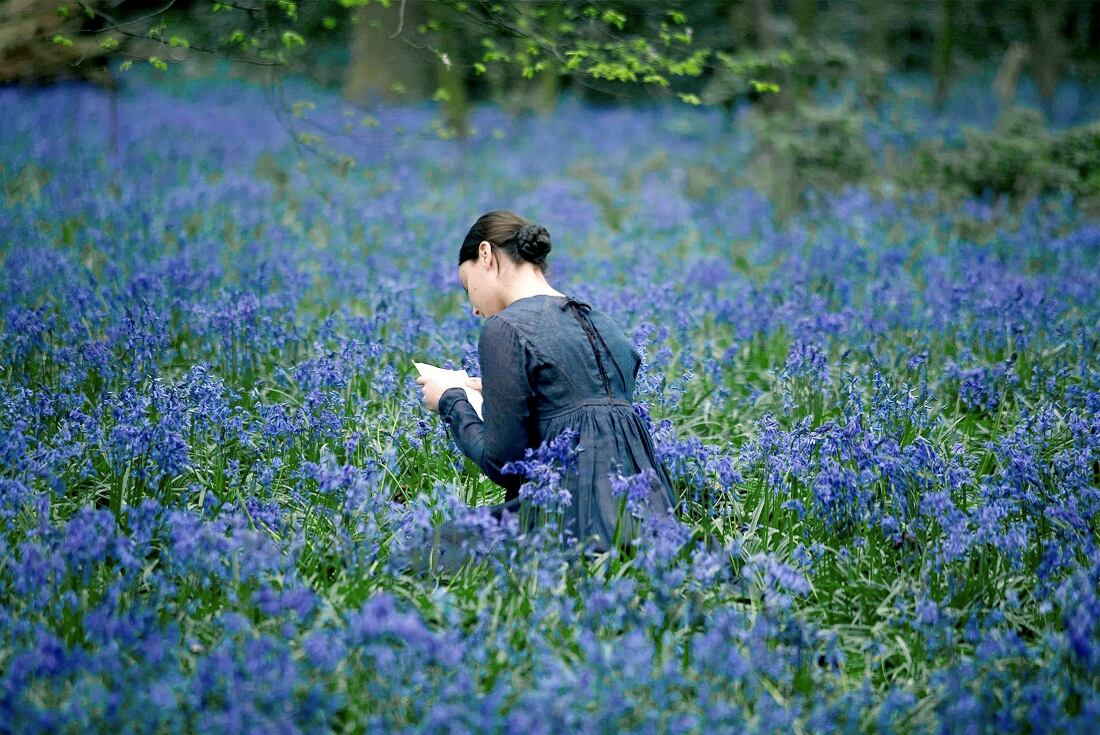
column 811, row 72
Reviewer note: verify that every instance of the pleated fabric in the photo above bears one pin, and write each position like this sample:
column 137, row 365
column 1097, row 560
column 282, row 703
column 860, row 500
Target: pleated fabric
column 613, row 438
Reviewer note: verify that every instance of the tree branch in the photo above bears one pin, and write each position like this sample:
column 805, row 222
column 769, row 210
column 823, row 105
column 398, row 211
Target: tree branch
column 400, row 19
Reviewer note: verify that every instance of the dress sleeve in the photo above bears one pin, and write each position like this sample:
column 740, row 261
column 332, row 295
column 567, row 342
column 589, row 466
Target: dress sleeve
column 509, row 399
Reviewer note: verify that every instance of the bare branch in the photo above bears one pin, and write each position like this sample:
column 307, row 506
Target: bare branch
column 400, row 19
column 118, row 24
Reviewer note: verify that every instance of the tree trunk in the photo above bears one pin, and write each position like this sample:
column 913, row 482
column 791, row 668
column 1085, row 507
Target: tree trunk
column 761, row 21
column 945, row 48
column 805, row 17
column 1049, row 51
column 1094, row 24
column 1008, row 75
column 112, row 120
column 877, row 28
column 450, row 72
column 28, row 54
column 383, row 67
column 549, row 79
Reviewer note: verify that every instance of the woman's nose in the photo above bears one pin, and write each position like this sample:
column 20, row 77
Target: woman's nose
column 476, row 312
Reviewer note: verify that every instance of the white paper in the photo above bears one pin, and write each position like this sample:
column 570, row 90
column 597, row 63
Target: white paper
column 431, row 371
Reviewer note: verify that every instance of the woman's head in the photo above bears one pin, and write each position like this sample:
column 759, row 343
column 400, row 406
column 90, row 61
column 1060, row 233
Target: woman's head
column 500, row 249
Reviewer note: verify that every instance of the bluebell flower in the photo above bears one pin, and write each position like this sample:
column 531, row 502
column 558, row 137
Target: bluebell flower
column 545, row 468
column 634, row 489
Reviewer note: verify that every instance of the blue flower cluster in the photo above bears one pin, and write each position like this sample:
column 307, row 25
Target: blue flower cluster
column 881, row 414
column 545, row 468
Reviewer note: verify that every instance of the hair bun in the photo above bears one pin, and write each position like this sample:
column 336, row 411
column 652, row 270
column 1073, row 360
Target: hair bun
column 532, row 242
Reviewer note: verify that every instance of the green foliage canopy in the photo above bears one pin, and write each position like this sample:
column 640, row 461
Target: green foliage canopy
column 623, row 42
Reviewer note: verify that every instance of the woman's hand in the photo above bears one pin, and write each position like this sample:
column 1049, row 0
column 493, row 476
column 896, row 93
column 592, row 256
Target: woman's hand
column 432, row 389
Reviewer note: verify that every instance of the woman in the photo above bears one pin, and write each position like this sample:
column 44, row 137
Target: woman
column 549, row 363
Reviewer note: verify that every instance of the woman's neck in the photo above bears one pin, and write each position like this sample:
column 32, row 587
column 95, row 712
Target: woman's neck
column 530, row 285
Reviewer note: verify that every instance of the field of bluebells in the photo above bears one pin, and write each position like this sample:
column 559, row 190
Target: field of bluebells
column 882, row 415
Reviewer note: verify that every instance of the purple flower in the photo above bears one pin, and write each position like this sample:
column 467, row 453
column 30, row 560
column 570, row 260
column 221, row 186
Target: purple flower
column 636, row 489
column 546, row 468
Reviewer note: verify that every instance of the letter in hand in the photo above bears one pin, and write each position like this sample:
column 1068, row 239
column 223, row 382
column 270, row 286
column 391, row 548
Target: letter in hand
column 435, row 380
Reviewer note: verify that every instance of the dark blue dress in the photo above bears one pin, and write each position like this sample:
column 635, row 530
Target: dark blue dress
column 550, row 363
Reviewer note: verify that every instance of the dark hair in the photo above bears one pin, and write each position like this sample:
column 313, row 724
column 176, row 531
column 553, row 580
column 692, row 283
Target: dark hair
column 521, row 239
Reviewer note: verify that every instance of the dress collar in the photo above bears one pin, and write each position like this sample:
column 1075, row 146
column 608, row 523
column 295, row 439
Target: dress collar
column 576, row 304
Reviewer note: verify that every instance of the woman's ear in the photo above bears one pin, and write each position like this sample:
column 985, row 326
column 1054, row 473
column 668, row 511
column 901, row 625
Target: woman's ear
column 486, row 257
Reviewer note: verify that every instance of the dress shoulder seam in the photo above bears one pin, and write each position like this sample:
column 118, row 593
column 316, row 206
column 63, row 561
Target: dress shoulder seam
column 519, row 335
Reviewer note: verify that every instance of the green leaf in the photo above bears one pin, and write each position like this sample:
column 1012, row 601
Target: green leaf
column 441, row 95
column 612, row 71
column 613, row 18
column 759, row 86
column 290, row 8
column 676, row 16
column 479, row 68
column 126, row 65
column 62, row 40
column 158, row 63
column 291, row 39
column 691, row 66
column 328, row 22
column 110, row 43
column 178, row 42
column 691, row 99
column 63, row 11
